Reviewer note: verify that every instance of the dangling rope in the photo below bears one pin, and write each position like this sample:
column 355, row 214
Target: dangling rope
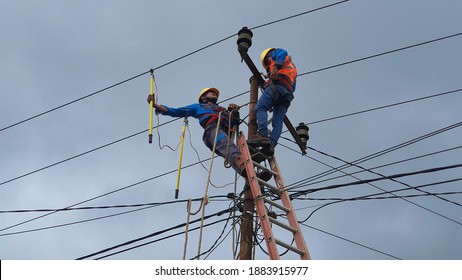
column 206, row 199
column 188, row 208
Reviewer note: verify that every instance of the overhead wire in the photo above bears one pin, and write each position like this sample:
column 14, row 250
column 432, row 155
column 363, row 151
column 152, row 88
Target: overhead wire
column 143, row 206
column 369, row 182
column 171, row 121
column 99, row 196
column 163, row 65
column 155, row 234
column 393, row 176
column 375, row 167
column 380, row 153
column 371, row 195
column 319, row 121
column 350, row 241
column 172, row 62
column 387, row 106
column 290, row 187
column 379, row 174
column 383, row 53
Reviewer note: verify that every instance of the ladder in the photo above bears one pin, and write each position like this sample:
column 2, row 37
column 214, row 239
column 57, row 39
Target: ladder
column 267, row 219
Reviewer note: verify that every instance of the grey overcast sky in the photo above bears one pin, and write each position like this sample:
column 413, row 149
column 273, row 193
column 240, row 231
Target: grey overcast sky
column 352, row 57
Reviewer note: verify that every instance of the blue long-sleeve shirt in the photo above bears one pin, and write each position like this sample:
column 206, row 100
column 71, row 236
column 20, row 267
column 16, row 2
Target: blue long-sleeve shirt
column 204, row 112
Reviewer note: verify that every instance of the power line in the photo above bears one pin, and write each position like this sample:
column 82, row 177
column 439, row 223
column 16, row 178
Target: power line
column 356, row 243
column 391, row 192
column 171, row 121
column 153, row 234
column 382, row 54
column 306, row 73
column 394, row 176
column 355, row 162
column 381, row 153
column 387, row 106
column 371, row 195
column 377, row 173
column 105, row 207
column 380, row 166
column 99, row 196
column 161, row 66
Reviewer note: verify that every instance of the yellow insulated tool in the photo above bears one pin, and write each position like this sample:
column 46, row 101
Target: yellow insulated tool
column 151, row 92
column 185, row 125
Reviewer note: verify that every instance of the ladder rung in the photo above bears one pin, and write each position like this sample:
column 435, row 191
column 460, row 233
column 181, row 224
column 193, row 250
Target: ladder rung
column 289, row 228
column 289, row 247
column 271, row 187
column 265, row 168
column 281, row 207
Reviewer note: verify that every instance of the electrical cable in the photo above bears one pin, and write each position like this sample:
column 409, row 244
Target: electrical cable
column 105, row 207
column 171, row 121
column 350, row 241
column 383, row 53
column 135, row 77
column 152, row 235
column 161, row 66
column 144, row 207
column 384, row 176
column 97, row 197
column 379, row 153
column 367, row 196
column 386, row 106
column 372, row 168
column 295, row 194
column 400, row 175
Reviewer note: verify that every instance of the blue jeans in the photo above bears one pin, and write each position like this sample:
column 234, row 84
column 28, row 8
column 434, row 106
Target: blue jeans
column 280, row 101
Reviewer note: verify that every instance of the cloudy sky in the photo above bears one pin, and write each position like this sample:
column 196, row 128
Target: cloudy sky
column 379, row 85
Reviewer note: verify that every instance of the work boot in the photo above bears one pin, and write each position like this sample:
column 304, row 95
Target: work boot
column 265, row 175
column 240, row 163
column 268, row 151
column 259, row 140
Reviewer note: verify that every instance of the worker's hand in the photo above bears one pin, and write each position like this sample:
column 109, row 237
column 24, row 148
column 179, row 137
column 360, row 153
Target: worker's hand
column 232, row 106
column 274, row 74
column 150, row 98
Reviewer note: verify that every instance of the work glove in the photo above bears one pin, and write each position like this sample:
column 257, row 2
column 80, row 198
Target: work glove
column 274, row 74
column 232, row 106
column 150, row 97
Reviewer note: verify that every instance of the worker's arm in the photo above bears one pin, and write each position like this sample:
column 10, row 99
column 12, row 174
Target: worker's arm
column 159, row 108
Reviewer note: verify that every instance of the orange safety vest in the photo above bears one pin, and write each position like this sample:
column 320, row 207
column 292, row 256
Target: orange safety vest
column 287, row 75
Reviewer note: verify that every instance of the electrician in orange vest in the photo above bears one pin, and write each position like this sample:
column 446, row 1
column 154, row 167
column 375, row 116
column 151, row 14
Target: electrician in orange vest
column 207, row 112
column 277, row 96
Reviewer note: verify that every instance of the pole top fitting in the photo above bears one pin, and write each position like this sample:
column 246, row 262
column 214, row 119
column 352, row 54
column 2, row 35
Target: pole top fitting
column 244, row 39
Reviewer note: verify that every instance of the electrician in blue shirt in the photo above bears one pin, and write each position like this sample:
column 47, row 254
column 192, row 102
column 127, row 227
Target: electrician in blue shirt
column 207, row 112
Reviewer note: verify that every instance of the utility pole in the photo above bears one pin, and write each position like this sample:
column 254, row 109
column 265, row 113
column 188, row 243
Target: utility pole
column 244, row 42
column 246, row 250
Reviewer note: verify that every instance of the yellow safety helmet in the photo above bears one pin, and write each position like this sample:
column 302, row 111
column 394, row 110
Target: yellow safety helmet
column 205, row 90
column 263, row 55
